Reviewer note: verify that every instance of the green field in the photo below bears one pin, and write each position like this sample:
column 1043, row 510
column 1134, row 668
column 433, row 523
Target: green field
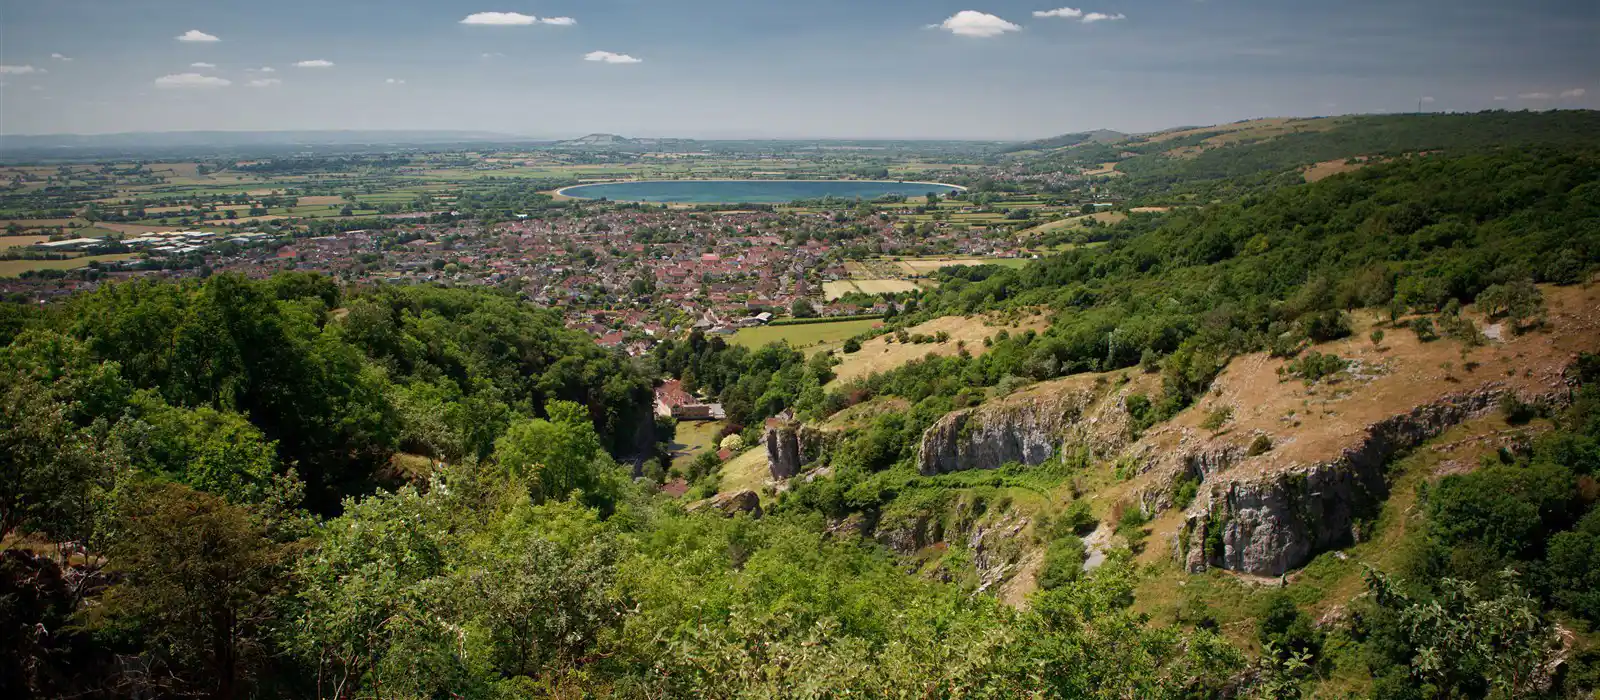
column 804, row 335
column 692, row 438
column 15, row 268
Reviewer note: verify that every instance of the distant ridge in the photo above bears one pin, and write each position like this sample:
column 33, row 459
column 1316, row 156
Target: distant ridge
column 605, row 141
column 1065, row 140
column 232, row 139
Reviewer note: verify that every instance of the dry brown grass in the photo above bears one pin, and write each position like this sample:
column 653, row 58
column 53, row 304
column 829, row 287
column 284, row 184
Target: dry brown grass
column 1330, row 168
column 880, row 355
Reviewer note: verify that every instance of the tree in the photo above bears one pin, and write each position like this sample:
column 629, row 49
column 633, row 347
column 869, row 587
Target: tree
column 555, row 457
column 542, row 601
column 802, row 308
column 1462, row 640
column 197, row 577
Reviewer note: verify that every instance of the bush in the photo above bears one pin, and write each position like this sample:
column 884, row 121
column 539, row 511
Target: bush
column 1423, row 327
column 1184, row 489
column 1288, row 630
column 1217, row 418
column 1517, row 411
column 1260, row 446
column 852, row 345
column 1063, row 562
column 1314, row 367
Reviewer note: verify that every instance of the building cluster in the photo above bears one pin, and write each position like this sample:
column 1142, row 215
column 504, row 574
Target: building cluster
column 627, row 276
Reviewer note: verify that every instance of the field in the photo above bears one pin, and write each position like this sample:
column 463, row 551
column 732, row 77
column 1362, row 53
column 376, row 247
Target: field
column 746, row 472
column 917, row 267
column 21, row 241
column 834, row 290
column 1104, row 217
column 1329, row 168
column 802, row 336
column 14, row 268
column 880, row 355
column 692, row 438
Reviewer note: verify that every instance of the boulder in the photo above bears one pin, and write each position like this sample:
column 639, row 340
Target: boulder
column 730, row 504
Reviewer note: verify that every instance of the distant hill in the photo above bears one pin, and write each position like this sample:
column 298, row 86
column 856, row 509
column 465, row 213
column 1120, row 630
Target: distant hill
column 1260, row 151
column 192, row 139
column 613, row 141
column 597, row 140
column 1065, row 140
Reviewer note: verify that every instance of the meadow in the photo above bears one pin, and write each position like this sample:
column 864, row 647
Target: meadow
column 802, row 336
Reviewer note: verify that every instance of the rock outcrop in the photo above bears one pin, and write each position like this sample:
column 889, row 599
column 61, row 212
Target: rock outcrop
column 791, row 446
column 1266, row 525
column 783, row 450
column 1027, row 428
column 730, row 504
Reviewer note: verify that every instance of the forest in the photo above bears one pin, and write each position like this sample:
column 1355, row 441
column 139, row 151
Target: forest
column 284, row 487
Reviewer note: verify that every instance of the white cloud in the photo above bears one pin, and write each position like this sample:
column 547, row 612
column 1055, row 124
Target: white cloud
column 60, row 57
column 202, row 64
column 558, row 21
column 500, row 19
column 314, row 63
column 1062, row 12
column 1534, row 96
column 1427, row 100
column 1101, row 16
column 197, row 35
column 191, row 80
column 19, row 70
column 974, row 23
column 265, row 82
column 609, row 57
column 394, row 81
column 1500, row 98
column 1573, row 93
column 494, row 54
column 263, row 69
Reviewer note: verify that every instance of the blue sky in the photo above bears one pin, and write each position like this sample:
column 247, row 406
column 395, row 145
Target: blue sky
column 758, row 68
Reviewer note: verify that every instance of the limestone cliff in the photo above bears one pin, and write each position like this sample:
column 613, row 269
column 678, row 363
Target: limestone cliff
column 783, row 450
column 1267, row 524
column 1029, row 427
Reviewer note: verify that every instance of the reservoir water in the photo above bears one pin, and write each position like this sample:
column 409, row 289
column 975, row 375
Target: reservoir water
column 749, row 191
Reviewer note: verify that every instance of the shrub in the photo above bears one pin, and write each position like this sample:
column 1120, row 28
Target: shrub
column 1260, row 446
column 852, row 345
column 1517, row 411
column 1314, row 367
column 1063, row 562
column 1423, row 327
column 1217, row 418
column 1184, row 489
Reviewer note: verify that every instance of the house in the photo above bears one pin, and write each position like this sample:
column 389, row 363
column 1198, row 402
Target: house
column 673, row 401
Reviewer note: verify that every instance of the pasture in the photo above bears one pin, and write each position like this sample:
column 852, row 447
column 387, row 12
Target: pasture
column 15, row 268
column 693, row 438
column 884, row 353
column 834, row 290
column 918, row 267
column 804, row 335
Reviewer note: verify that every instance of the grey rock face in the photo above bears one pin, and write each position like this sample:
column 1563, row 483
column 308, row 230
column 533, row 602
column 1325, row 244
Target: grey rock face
column 1026, row 431
column 1268, row 525
column 783, row 450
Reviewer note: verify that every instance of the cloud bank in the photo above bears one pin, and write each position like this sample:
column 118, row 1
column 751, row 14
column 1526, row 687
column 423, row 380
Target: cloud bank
column 514, row 19
column 976, row 24
column 609, row 57
column 191, row 80
column 195, row 35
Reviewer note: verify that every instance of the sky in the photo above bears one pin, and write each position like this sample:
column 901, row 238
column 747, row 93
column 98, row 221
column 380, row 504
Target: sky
column 969, row 69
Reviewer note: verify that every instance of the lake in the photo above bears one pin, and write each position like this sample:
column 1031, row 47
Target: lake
column 749, row 191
